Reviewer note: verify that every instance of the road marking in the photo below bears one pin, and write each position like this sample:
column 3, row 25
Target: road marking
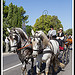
column 12, row 67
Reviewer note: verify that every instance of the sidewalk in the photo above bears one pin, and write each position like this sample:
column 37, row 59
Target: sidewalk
column 7, row 53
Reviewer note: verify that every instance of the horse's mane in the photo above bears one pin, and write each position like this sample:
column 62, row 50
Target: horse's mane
column 21, row 32
column 46, row 42
column 44, row 37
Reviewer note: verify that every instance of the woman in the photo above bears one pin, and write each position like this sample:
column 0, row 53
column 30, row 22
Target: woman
column 60, row 38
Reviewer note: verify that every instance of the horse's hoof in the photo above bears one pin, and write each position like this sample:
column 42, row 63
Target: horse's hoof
column 25, row 73
column 38, row 73
column 22, row 69
column 55, row 69
column 46, row 73
column 42, row 74
column 62, row 65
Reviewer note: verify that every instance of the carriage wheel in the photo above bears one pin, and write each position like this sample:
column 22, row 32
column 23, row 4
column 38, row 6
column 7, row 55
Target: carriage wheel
column 63, row 56
column 67, row 56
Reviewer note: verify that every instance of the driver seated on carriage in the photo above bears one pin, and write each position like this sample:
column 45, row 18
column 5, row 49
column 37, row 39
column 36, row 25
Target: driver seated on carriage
column 60, row 38
column 52, row 33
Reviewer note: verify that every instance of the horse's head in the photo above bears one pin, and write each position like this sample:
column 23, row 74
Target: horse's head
column 15, row 39
column 36, row 43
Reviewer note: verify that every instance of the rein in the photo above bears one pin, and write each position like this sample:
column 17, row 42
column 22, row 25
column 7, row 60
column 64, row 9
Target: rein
column 24, row 47
column 48, row 51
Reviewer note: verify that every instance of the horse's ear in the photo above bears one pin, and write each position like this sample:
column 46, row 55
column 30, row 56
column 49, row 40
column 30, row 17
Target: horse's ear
column 41, row 38
column 32, row 32
column 16, row 31
column 8, row 30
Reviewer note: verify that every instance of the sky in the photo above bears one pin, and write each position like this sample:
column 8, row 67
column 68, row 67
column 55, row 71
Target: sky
column 35, row 8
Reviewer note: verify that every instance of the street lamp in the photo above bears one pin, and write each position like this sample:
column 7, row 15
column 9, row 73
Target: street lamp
column 45, row 12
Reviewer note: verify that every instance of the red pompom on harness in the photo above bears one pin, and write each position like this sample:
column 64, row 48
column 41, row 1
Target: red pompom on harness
column 61, row 48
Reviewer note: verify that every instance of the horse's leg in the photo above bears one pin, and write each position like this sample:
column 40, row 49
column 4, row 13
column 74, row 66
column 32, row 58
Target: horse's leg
column 32, row 66
column 38, row 64
column 47, row 66
column 23, row 68
column 55, row 63
column 38, row 68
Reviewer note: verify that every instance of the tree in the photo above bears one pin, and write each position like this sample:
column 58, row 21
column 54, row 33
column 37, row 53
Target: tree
column 68, row 32
column 44, row 22
column 5, row 14
column 13, row 16
column 28, row 30
column 19, row 18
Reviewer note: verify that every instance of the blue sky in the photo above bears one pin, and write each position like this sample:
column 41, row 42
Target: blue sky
column 35, row 8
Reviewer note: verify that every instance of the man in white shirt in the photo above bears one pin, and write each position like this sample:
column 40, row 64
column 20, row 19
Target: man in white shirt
column 52, row 33
column 7, row 44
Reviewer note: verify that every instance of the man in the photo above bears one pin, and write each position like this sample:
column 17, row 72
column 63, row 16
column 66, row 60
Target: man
column 52, row 33
column 69, row 37
column 7, row 44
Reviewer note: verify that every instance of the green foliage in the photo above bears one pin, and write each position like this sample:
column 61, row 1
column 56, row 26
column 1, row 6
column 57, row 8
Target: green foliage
column 68, row 32
column 28, row 30
column 13, row 16
column 44, row 22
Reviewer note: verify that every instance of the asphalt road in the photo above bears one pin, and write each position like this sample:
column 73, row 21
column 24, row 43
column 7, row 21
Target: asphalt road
column 12, row 65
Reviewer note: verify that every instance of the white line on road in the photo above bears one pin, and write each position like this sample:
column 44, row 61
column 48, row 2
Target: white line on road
column 12, row 67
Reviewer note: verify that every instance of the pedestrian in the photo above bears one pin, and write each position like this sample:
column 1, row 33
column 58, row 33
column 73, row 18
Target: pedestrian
column 51, row 33
column 7, row 44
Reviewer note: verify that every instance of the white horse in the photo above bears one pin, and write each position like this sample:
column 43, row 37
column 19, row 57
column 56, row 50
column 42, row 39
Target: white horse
column 50, row 48
column 19, row 43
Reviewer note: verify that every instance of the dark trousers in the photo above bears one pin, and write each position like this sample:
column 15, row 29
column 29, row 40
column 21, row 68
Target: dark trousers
column 61, row 42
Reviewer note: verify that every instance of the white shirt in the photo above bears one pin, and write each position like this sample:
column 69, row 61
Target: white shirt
column 60, row 34
column 52, row 32
column 61, row 37
column 6, row 40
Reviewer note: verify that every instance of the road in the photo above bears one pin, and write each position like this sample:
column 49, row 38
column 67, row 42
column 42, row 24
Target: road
column 12, row 65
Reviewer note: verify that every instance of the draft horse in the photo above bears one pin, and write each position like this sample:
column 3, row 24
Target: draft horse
column 19, row 42
column 45, row 51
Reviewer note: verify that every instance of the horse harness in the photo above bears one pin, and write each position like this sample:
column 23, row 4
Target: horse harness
column 29, row 46
column 41, row 50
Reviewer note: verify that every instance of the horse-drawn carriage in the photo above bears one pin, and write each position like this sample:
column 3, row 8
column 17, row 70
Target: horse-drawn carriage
column 39, row 47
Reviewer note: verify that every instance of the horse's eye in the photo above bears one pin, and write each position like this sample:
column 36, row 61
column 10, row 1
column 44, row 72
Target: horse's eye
column 14, row 38
column 30, row 42
column 39, row 41
column 34, row 39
